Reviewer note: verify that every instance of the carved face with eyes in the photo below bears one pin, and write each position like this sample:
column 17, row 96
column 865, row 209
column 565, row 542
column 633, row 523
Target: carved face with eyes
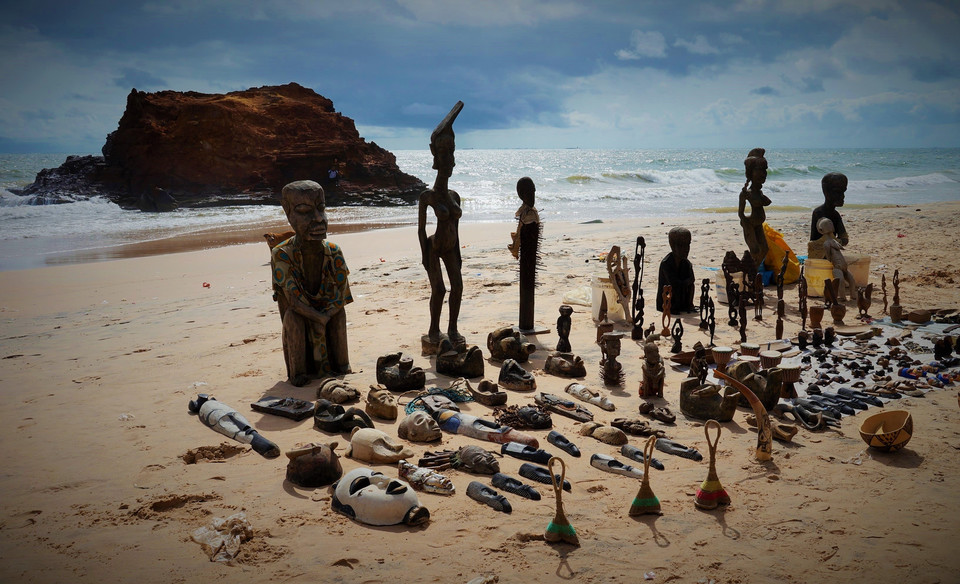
column 419, row 427
column 304, row 203
column 373, row 498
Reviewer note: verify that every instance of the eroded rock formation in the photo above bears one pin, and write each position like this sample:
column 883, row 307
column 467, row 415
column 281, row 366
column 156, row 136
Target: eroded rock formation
column 236, row 148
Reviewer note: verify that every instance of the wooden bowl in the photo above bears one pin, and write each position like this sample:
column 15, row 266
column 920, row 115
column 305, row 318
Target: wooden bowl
column 887, row 431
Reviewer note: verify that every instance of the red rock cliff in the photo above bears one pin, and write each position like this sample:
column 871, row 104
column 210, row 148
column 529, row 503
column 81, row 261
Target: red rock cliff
column 237, row 148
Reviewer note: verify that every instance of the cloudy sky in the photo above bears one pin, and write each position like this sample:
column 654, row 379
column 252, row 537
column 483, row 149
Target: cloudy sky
column 532, row 73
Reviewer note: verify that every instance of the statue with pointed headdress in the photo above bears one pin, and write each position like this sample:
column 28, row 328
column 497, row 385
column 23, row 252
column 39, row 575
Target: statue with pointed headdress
column 444, row 245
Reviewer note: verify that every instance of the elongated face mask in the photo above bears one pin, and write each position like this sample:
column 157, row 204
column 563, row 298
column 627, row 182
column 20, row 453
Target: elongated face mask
column 375, row 499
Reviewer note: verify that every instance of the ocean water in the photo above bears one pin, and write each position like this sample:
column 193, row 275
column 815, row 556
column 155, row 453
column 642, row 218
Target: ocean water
column 572, row 185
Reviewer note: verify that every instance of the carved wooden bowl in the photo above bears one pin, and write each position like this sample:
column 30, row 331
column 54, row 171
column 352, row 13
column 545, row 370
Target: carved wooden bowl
column 770, row 359
column 887, row 431
column 751, row 349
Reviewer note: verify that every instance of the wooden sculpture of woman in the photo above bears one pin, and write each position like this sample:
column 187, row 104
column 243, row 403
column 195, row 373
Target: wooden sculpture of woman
column 755, row 166
column 444, row 244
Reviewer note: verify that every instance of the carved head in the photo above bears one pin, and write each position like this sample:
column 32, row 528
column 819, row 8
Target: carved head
column 825, row 226
column 381, row 403
column 304, row 203
column 755, row 166
column 371, row 497
column 478, row 460
column 419, row 427
column 371, row 445
column 679, row 238
column 313, row 465
column 651, row 353
column 834, row 186
column 527, row 191
column 442, row 142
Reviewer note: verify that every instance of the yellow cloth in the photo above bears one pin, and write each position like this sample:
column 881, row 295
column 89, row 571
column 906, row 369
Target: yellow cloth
column 777, row 248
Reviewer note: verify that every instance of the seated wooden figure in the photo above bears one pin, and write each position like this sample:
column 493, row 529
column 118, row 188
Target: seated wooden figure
column 310, row 281
column 833, row 252
column 676, row 270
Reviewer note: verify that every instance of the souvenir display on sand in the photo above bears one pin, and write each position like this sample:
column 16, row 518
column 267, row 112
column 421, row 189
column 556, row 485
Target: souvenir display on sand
column 704, row 297
column 581, row 392
column 564, row 365
column 331, row 417
column 311, row 288
column 373, row 498
column 703, row 401
column 887, row 431
column 507, row 342
column 481, row 429
column 619, row 273
column 636, row 312
column 755, row 166
column 372, row 445
column 397, row 373
column 231, row 423
column 525, row 246
column 523, row 417
column 764, row 433
column 286, row 407
column 419, row 426
column 313, row 465
column 677, row 334
column 896, row 311
column 667, row 292
column 515, row 377
column 605, row 434
column 468, row 458
column 677, row 272
column 487, row 392
column 653, row 371
column 766, row 384
column 425, row 479
column 381, row 403
column 465, row 361
column 564, row 407
column 563, row 328
column 611, row 371
column 337, row 391
column 442, row 249
column 646, row 502
column 559, row 530
column 711, row 493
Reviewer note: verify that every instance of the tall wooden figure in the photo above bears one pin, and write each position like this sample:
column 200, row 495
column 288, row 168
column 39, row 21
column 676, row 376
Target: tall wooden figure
column 526, row 247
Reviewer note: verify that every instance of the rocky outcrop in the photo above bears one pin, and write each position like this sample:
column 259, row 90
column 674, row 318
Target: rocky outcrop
column 194, row 150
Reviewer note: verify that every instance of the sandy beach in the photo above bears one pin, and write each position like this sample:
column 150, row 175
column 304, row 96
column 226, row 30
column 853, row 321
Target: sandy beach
column 99, row 360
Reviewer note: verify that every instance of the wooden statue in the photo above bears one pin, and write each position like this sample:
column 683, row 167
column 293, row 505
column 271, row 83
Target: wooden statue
column 833, row 252
column 610, row 370
column 896, row 311
column 864, row 301
column 711, row 320
column 526, row 247
column 883, row 288
column 653, row 371
column 677, row 271
column 758, row 297
column 444, row 245
column 563, row 328
column 833, row 185
column 704, row 297
column 637, row 307
column 755, row 166
column 619, row 274
column 667, row 304
column 742, row 298
column 605, row 325
column 677, row 334
column 310, row 277
column 781, row 306
column 802, row 292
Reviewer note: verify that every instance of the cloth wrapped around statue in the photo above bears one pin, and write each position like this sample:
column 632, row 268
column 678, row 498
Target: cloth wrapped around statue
column 286, row 260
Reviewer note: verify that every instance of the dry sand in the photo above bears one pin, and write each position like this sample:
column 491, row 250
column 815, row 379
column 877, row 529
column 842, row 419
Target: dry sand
column 99, row 361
